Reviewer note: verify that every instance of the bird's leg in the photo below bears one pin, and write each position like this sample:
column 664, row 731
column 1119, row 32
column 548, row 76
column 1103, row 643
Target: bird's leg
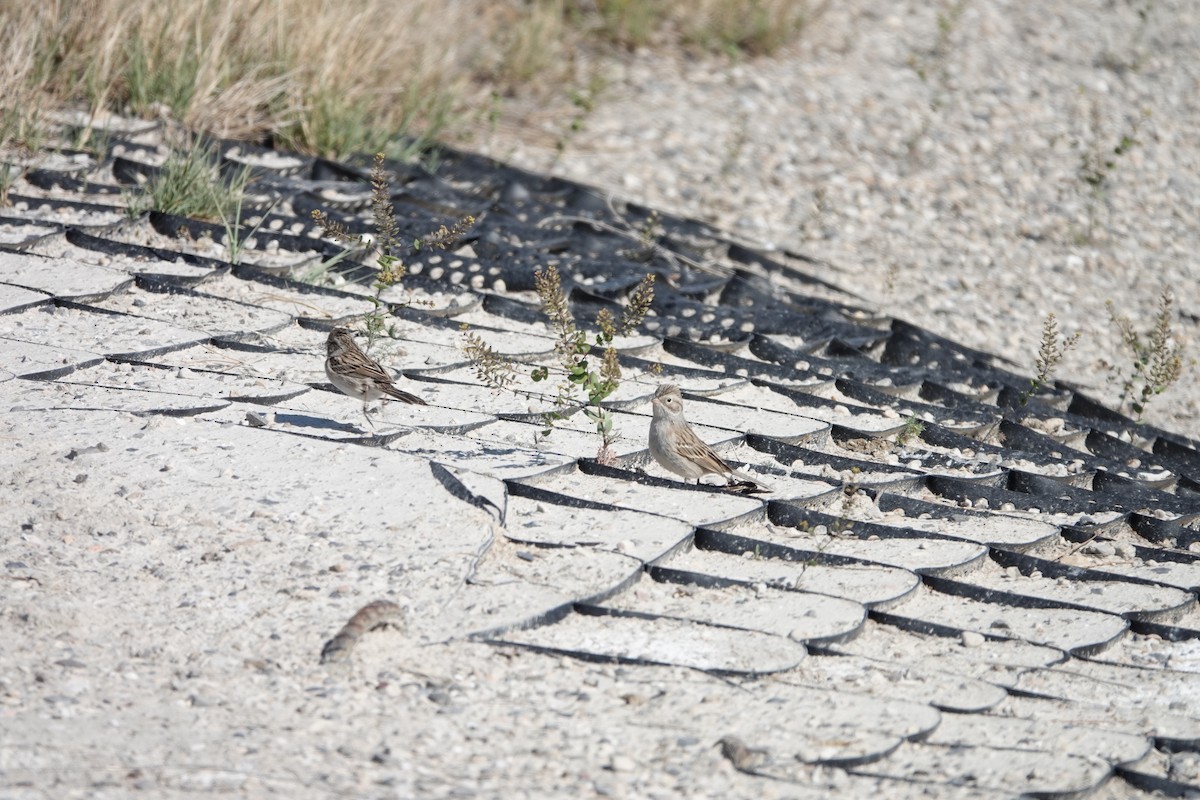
column 367, row 416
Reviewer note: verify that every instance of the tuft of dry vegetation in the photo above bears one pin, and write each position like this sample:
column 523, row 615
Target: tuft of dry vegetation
column 573, row 349
column 750, row 27
column 756, row 28
column 580, row 384
column 319, row 77
column 1050, row 352
column 190, row 185
column 385, row 243
column 331, row 78
column 1098, row 161
column 1157, row 360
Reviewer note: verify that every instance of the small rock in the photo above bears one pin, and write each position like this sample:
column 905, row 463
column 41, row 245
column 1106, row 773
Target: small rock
column 971, row 639
column 604, row 788
column 621, row 763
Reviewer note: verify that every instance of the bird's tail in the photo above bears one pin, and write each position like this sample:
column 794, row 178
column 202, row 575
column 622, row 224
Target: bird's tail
column 739, row 481
column 405, row 397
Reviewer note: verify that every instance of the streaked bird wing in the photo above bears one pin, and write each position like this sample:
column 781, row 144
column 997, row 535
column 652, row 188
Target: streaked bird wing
column 694, row 449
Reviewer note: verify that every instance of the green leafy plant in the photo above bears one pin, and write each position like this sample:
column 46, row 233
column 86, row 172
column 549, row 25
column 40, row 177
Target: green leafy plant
column 578, row 376
column 389, row 268
column 844, row 525
column 913, row 428
column 1157, row 356
column 1050, row 353
column 586, row 365
column 96, row 140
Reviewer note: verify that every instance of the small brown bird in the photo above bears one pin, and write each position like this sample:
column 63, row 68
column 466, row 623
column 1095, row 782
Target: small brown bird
column 354, row 373
column 678, row 449
column 371, row 616
column 742, row 757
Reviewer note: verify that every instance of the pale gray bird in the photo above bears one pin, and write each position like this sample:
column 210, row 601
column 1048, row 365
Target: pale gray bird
column 677, row 448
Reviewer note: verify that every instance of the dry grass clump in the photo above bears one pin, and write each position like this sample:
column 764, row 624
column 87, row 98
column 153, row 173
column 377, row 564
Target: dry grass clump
column 532, row 40
column 19, row 74
column 322, row 77
column 631, row 23
column 752, row 27
column 333, row 78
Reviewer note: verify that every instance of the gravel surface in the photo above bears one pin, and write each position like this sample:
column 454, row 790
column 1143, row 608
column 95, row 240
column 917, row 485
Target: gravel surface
column 934, row 160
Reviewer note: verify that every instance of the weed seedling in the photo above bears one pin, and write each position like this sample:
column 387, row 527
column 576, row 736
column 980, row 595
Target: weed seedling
column 389, row 268
column 1097, row 162
column 1050, row 353
column 583, row 379
column 1157, row 356
column 913, row 428
column 932, row 66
